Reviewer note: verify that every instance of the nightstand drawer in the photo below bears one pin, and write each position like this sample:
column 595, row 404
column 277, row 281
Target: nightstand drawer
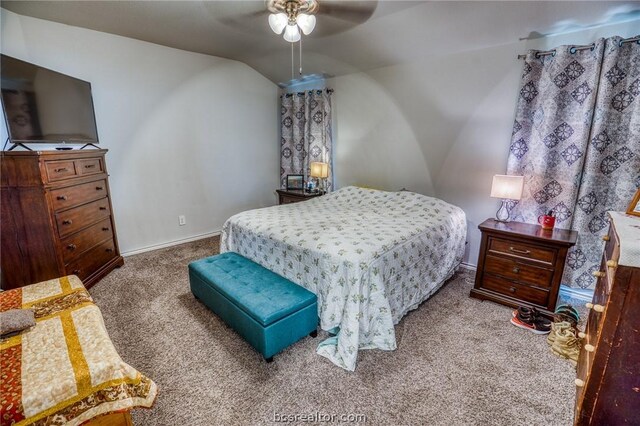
column 515, row 270
column 521, row 250
column 516, row 290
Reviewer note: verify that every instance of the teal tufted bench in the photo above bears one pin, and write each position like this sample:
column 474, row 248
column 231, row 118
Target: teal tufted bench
column 269, row 311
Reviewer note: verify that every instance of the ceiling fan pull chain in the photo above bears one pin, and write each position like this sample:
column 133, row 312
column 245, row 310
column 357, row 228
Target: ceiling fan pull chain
column 301, row 56
column 293, row 74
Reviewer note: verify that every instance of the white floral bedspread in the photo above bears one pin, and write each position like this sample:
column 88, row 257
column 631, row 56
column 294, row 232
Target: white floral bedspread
column 370, row 256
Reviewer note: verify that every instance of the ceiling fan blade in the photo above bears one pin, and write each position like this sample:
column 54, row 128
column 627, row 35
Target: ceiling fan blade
column 353, row 11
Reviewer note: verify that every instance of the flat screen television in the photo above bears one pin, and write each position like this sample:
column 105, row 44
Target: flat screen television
column 44, row 106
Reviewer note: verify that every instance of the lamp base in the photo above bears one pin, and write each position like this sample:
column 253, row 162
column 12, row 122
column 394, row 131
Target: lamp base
column 502, row 215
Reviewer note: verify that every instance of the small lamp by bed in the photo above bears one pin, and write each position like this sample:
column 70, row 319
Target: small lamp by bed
column 508, row 188
column 320, row 171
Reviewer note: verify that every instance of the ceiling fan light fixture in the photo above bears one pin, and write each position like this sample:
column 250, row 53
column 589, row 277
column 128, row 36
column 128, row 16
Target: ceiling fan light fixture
column 291, row 33
column 277, row 22
column 306, row 23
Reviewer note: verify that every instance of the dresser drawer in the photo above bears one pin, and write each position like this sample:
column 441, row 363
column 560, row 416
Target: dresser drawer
column 515, row 290
column 92, row 260
column 513, row 269
column 76, row 244
column 73, row 220
column 75, row 195
column 521, row 250
column 59, row 170
column 89, row 166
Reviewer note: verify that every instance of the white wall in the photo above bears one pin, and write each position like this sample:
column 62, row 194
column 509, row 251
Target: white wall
column 440, row 125
column 187, row 133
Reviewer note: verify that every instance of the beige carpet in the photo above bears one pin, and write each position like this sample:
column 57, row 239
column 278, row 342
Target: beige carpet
column 458, row 361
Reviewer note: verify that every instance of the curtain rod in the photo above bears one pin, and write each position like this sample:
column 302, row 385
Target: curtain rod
column 306, row 91
column 574, row 49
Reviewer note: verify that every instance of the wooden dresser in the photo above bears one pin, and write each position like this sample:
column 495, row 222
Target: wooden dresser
column 521, row 264
column 56, row 217
column 288, row 196
column 608, row 375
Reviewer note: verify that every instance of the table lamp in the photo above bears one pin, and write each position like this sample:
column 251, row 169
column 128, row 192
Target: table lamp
column 508, row 188
column 320, row 171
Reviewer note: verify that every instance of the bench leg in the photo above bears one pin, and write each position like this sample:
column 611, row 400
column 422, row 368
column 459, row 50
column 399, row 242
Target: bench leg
column 314, row 334
column 270, row 359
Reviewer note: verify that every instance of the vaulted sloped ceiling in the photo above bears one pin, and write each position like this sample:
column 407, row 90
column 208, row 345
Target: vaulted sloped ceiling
column 362, row 36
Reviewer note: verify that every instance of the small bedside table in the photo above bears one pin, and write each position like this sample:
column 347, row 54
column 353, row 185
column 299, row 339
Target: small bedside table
column 288, row 196
column 521, row 264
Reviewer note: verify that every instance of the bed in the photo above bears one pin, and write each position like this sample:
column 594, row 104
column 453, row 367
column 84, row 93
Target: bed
column 370, row 256
column 65, row 369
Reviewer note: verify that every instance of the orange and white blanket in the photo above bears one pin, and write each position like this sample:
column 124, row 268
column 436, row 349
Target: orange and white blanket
column 65, row 370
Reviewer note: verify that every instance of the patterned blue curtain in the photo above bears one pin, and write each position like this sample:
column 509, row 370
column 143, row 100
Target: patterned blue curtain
column 576, row 139
column 306, row 133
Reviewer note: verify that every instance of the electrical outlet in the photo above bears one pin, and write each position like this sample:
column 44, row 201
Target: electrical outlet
column 182, row 220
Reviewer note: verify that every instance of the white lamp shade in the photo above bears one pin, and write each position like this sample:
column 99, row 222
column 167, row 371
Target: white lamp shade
column 319, row 170
column 507, row 187
column 291, row 33
column 277, row 22
column 306, row 23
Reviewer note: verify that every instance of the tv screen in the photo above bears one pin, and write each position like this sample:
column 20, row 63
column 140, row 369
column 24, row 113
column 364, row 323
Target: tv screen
column 44, row 106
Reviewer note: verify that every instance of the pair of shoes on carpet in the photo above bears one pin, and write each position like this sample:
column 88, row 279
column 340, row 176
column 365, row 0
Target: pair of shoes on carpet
column 563, row 338
column 530, row 319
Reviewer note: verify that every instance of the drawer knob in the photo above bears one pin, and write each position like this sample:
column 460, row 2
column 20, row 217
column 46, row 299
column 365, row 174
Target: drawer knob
column 515, row 250
column 103, row 208
column 105, row 229
column 61, row 169
column 512, row 289
column 582, row 334
column 99, row 188
column 589, row 348
column 598, row 308
column 61, row 197
column 76, row 271
column 579, row 383
column 109, row 250
column 612, row 264
column 67, row 222
column 89, row 166
column 516, row 270
column 606, row 238
column 71, row 246
column 598, row 274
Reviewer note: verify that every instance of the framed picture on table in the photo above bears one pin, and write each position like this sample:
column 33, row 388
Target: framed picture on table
column 295, row 182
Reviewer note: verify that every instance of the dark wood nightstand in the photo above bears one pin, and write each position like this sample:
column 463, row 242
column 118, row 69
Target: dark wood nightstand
column 521, row 264
column 288, row 196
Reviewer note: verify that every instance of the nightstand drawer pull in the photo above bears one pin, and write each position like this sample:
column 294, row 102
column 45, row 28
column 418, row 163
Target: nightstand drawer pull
column 589, row 348
column 105, row 229
column 61, row 169
column 76, row 271
column 582, row 334
column 516, row 270
column 71, row 247
column 579, row 383
column 512, row 289
column 612, row 264
column 108, row 250
column 102, row 208
column 598, row 274
column 515, row 250
column 89, row 166
column 606, row 238
column 61, row 197
column 99, row 188
column 67, row 222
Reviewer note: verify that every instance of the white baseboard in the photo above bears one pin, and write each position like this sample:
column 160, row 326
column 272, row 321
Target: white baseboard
column 171, row 243
column 468, row 266
column 574, row 293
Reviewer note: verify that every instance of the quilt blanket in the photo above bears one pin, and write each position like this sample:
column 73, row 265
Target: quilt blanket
column 64, row 370
column 370, row 257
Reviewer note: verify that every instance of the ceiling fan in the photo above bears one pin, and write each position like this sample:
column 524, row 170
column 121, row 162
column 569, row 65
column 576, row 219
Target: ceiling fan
column 333, row 16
